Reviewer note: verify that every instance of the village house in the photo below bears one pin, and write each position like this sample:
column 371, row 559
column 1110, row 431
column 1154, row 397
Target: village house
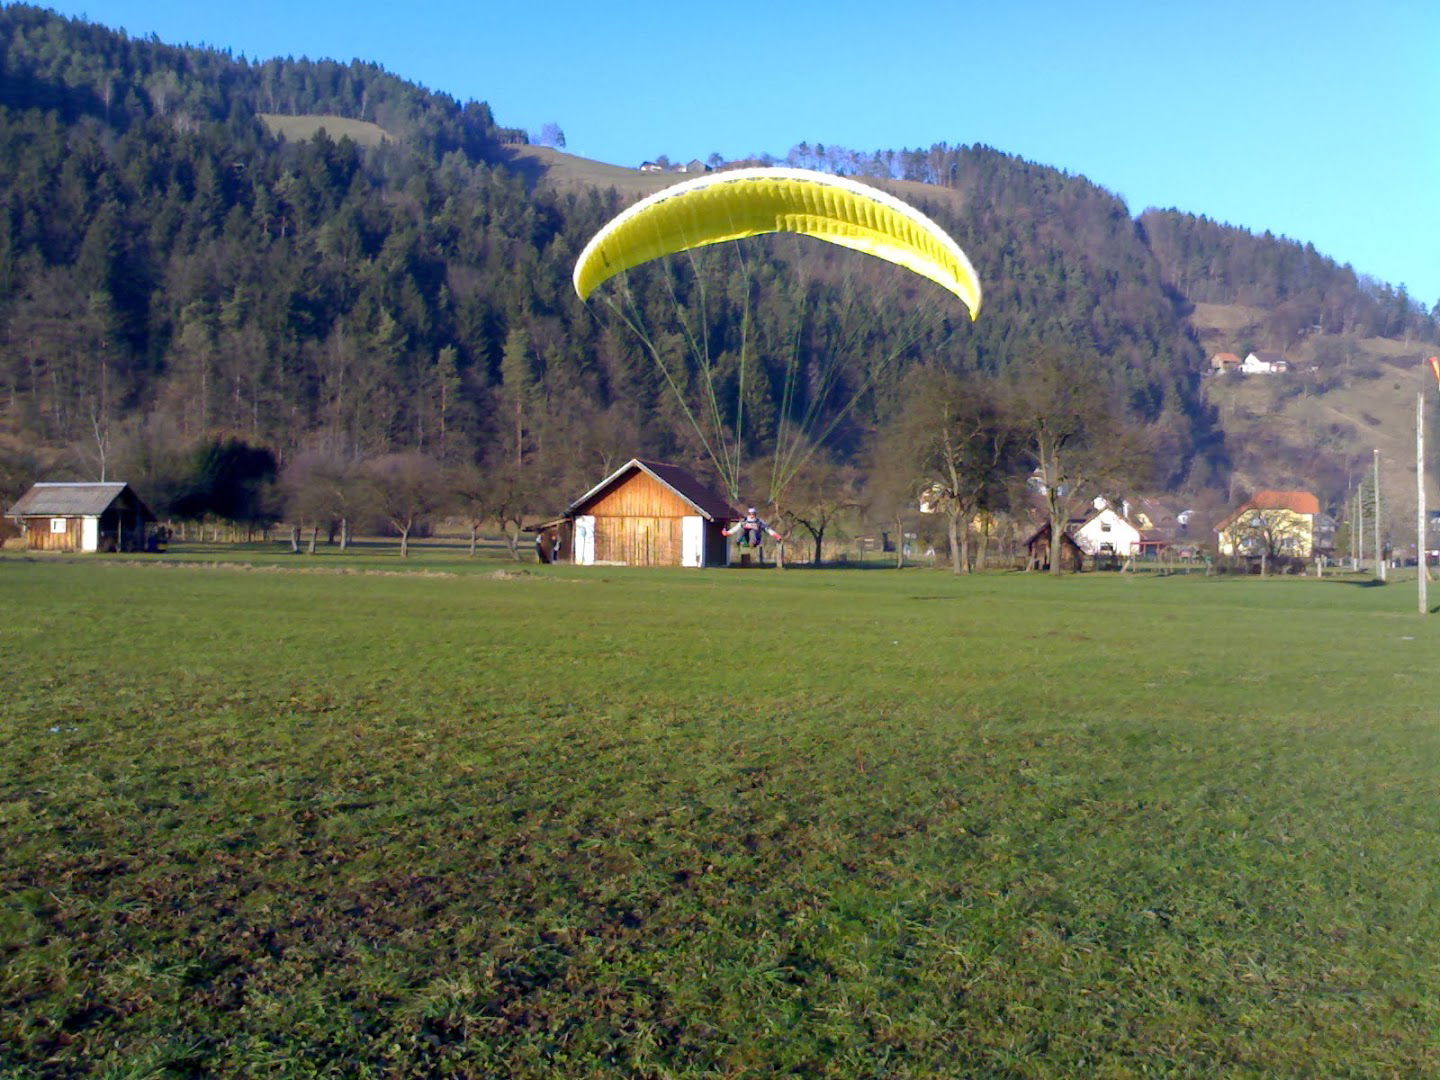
column 1106, row 532
column 1264, row 363
column 647, row 513
column 82, row 517
column 1164, row 528
column 1272, row 523
column 695, row 165
column 1220, row 363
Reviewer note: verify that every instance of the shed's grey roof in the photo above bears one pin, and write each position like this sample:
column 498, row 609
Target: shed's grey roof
column 71, row 500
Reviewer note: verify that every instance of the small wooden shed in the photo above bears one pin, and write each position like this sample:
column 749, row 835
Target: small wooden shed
column 649, row 513
column 82, row 517
column 1037, row 546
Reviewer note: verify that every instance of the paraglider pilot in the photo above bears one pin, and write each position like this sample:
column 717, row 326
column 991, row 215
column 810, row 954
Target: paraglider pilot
column 751, row 530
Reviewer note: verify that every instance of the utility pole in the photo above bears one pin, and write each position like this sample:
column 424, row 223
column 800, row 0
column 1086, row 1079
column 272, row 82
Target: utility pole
column 1421, row 571
column 1421, row 524
column 1360, row 525
column 1379, row 547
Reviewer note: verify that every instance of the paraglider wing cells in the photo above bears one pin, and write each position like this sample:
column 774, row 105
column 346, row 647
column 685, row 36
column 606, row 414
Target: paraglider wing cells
column 749, row 202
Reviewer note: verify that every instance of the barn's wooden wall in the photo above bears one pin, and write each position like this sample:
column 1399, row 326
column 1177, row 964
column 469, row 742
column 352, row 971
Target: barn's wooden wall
column 638, row 495
column 637, row 522
column 38, row 536
column 638, row 541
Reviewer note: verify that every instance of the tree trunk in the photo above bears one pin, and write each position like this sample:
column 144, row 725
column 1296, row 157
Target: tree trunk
column 344, row 533
column 899, row 544
column 474, row 538
column 405, row 542
column 957, row 563
column 819, row 540
column 294, row 539
column 314, row 536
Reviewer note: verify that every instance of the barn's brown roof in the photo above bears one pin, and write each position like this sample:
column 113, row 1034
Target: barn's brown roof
column 1044, row 530
column 710, row 503
column 74, row 500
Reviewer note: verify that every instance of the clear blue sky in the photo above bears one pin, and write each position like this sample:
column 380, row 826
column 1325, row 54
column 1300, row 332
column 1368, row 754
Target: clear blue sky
column 1316, row 119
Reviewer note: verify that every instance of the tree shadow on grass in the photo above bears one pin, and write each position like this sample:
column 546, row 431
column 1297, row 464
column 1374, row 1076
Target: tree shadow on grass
column 1365, row 583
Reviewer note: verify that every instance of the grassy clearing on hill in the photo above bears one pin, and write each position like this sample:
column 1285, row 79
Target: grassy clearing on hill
column 299, row 128
column 571, row 173
column 713, row 823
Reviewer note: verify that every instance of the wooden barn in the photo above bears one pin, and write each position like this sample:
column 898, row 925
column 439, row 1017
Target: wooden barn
column 1037, row 547
column 83, row 517
column 648, row 513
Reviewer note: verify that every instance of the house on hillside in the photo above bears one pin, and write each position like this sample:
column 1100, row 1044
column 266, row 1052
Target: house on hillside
column 1264, row 363
column 648, row 513
column 1220, row 363
column 651, row 166
column 82, row 517
column 1272, row 523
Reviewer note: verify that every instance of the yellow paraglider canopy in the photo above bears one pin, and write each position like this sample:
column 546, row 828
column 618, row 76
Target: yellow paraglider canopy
column 748, row 202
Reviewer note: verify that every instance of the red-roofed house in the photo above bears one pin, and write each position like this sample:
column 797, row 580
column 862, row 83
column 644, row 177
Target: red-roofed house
column 1271, row 523
column 1223, row 362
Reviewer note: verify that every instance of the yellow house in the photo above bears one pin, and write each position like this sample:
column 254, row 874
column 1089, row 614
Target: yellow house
column 1271, row 523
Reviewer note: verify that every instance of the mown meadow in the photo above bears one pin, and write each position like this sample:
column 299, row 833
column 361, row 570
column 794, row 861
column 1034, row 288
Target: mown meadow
column 489, row 820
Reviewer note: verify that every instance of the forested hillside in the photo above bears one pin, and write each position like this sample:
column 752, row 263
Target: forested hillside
column 1300, row 290
column 173, row 277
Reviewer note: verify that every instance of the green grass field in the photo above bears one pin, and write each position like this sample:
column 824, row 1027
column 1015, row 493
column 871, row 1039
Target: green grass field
column 477, row 822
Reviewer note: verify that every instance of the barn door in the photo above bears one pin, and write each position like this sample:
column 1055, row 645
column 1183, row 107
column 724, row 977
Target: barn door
column 585, row 539
column 692, row 541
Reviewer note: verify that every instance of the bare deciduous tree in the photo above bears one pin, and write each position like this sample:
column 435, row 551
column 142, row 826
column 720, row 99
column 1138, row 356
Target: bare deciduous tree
column 498, row 494
column 817, row 495
column 1075, row 434
column 407, row 488
column 950, row 446
column 323, row 489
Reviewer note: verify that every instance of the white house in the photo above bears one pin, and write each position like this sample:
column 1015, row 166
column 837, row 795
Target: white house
column 1264, row 363
column 1107, row 532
